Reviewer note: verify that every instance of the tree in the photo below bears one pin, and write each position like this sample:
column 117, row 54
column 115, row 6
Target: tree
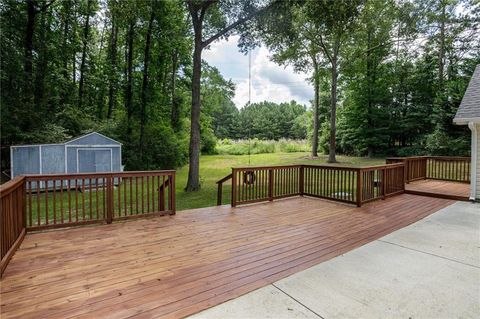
column 112, row 57
column 143, row 115
column 211, row 20
column 86, row 34
column 334, row 19
column 295, row 40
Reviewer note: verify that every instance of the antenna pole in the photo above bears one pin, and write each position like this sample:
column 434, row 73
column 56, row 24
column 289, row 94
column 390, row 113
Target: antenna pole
column 249, row 97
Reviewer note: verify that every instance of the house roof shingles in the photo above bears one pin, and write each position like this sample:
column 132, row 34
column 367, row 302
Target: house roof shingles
column 469, row 109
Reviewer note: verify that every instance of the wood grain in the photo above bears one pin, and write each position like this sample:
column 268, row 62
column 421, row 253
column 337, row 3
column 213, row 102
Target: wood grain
column 178, row 265
column 440, row 189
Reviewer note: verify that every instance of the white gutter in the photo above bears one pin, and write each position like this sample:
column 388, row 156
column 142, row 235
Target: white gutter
column 473, row 170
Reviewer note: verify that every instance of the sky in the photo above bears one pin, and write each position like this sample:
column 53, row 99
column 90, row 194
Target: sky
column 270, row 82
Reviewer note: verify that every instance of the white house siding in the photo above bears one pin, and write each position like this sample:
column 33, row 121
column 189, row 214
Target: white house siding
column 477, row 195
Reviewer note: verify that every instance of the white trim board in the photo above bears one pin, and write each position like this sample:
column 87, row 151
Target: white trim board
column 466, row 121
column 77, row 138
column 473, row 170
column 92, row 145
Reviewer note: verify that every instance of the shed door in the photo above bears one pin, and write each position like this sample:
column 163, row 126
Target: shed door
column 90, row 161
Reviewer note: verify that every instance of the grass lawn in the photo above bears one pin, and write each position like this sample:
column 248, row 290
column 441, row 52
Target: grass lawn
column 215, row 167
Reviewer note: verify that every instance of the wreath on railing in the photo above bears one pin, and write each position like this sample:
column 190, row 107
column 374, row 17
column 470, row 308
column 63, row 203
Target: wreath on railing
column 249, row 177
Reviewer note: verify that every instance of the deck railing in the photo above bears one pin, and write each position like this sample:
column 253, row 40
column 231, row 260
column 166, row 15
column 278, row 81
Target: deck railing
column 36, row 202
column 447, row 168
column 344, row 184
column 12, row 218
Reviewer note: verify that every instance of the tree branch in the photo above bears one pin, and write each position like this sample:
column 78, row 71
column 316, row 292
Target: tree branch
column 237, row 23
column 44, row 7
column 325, row 49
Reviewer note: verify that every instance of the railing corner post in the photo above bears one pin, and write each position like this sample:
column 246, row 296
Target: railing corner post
column 270, row 184
column 219, row 194
column 233, row 199
column 109, row 217
column 384, row 182
column 302, row 180
column 359, row 187
column 173, row 209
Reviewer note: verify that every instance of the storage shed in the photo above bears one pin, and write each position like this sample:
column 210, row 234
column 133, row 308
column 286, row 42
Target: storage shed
column 89, row 153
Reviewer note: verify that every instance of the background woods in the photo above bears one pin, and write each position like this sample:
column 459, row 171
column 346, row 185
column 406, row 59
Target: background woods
column 386, row 76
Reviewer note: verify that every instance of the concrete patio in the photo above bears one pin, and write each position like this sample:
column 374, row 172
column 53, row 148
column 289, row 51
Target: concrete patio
column 430, row 269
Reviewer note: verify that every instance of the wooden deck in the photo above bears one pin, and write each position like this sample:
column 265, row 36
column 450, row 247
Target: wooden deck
column 439, row 188
column 178, row 265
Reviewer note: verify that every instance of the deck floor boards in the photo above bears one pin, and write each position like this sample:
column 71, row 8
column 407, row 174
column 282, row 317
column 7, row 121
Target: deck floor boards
column 440, row 188
column 178, row 265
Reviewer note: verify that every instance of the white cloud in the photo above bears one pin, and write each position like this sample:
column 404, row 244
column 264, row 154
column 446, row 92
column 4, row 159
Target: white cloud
column 270, row 82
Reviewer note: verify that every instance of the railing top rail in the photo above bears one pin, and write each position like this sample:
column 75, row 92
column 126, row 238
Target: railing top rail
column 335, row 167
column 11, row 185
column 466, row 158
column 226, row 178
column 266, row 167
column 406, row 157
column 105, row 174
column 386, row 166
column 451, row 158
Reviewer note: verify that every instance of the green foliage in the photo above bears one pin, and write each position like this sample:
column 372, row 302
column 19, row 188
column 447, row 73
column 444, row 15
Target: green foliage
column 244, row 147
column 400, row 79
column 270, row 121
column 209, row 141
column 150, row 118
column 439, row 142
column 256, row 146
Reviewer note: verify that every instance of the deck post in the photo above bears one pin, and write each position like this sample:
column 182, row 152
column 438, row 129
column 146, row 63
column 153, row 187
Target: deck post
column 359, row 187
column 384, row 182
column 234, row 188
column 219, row 194
column 109, row 216
column 301, row 180
column 270, row 184
column 172, row 194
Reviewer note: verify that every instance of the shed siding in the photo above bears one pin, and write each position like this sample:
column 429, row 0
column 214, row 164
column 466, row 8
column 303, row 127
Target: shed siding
column 116, row 159
column 25, row 160
column 53, row 159
column 478, row 163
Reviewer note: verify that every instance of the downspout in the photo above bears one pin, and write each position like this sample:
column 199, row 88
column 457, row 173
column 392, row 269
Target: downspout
column 474, row 152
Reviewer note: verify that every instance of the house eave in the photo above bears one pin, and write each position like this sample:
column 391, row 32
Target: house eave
column 465, row 121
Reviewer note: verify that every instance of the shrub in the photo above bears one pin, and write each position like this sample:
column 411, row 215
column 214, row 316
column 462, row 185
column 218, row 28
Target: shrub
column 256, row 146
column 292, row 146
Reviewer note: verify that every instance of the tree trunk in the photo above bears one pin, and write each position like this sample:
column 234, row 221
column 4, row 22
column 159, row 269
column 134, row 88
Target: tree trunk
column 370, row 86
column 113, row 67
column 143, row 115
column 175, row 112
column 316, row 106
column 84, row 55
column 193, row 183
column 28, row 68
column 40, row 71
column 333, row 114
column 441, row 50
column 128, row 89
column 65, row 48
column 74, row 55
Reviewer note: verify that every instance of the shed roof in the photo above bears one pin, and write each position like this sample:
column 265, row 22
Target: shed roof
column 93, row 138
column 469, row 110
